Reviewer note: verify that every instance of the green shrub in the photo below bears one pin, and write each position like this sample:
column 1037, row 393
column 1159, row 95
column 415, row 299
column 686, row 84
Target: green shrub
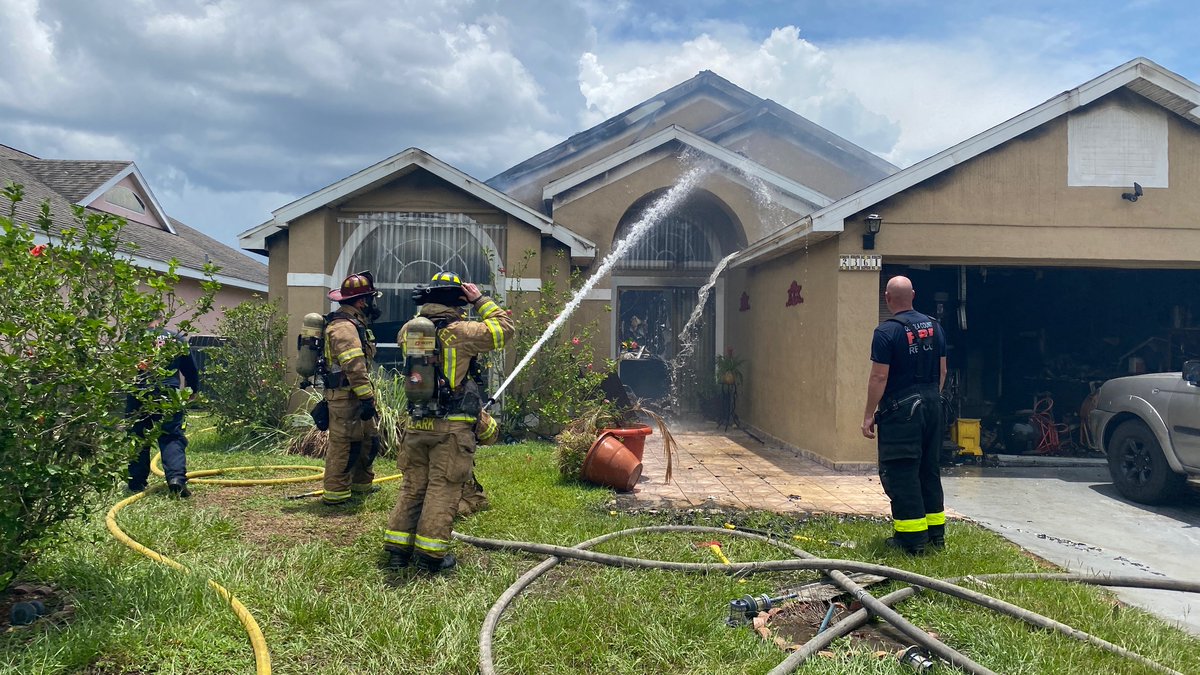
column 73, row 339
column 246, row 376
column 563, row 379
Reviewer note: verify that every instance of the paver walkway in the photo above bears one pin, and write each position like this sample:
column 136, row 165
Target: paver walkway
column 731, row 469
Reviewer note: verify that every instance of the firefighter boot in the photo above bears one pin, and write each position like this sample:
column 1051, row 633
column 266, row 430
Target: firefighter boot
column 399, row 558
column 179, row 488
column 432, row 565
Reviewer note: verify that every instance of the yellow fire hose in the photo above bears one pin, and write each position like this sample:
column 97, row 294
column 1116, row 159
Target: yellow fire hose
column 262, row 656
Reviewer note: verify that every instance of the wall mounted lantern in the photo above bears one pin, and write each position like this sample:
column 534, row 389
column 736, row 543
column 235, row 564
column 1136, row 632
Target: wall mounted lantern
column 874, row 223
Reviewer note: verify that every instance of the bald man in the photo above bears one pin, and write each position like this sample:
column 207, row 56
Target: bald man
column 904, row 408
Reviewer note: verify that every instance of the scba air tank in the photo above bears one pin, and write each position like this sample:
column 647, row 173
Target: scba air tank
column 420, row 355
column 309, row 344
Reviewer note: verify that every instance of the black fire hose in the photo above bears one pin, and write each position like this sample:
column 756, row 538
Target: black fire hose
column 871, row 604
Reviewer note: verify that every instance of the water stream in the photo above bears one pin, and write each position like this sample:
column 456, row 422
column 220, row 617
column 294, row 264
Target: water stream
column 661, row 207
column 773, row 218
column 687, row 342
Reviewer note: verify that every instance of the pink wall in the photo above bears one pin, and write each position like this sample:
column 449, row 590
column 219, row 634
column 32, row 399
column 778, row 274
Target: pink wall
column 146, row 218
column 188, row 290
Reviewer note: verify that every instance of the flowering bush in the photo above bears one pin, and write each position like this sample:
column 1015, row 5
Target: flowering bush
column 563, row 379
column 74, row 314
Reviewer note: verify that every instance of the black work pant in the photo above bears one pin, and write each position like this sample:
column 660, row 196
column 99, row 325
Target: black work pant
column 910, row 445
column 171, row 444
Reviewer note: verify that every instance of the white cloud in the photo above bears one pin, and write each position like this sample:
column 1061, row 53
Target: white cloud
column 904, row 99
column 941, row 93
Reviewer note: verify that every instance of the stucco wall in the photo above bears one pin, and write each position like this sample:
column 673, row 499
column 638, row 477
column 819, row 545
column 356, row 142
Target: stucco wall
column 188, row 290
column 1012, row 205
column 789, row 390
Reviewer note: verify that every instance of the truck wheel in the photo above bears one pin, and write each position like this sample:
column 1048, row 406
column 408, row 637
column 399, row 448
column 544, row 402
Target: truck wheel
column 1139, row 470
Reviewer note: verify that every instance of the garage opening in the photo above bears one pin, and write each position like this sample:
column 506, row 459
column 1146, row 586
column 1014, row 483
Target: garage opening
column 1028, row 345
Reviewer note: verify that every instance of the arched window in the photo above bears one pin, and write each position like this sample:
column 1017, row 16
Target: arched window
column 688, row 238
column 125, row 198
column 404, row 249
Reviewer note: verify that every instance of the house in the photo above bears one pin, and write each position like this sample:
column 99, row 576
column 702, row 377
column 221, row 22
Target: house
column 1049, row 247
column 412, row 215
column 118, row 188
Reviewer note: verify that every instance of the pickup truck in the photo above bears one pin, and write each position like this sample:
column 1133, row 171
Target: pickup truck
column 1148, row 426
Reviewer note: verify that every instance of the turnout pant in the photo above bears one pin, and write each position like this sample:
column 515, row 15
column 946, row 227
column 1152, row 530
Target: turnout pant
column 171, row 445
column 437, row 464
column 910, row 439
column 353, row 445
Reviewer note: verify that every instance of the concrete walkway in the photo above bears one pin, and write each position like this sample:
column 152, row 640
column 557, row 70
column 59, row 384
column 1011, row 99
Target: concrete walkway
column 730, row 469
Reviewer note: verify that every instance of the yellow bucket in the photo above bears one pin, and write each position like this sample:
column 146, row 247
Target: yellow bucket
column 965, row 433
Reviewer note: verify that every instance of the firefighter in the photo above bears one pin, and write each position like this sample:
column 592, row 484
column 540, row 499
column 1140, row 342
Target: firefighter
column 438, row 451
column 349, row 350
column 904, row 409
column 172, row 439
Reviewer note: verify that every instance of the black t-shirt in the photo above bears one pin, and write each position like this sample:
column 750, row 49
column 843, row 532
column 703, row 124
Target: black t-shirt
column 898, row 348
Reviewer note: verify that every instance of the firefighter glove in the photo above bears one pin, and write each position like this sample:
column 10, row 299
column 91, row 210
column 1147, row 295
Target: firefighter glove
column 366, row 409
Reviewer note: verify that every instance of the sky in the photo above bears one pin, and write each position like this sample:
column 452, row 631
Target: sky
column 233, row 108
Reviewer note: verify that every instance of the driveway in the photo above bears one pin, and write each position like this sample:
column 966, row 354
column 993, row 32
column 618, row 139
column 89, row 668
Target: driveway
column 1075, row 518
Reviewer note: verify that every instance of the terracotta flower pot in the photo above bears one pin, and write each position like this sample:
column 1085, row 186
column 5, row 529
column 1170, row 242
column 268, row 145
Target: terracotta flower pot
column 634, row 437
column 611, row 464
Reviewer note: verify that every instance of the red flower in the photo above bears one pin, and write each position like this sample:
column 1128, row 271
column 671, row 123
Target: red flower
column 38, row 250
column 575, row 341
column 633, row 344
column 503, row 271
column 590, row 366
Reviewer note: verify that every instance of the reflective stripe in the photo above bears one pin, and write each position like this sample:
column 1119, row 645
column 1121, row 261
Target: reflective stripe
column 335, row 496
column 365, row 487
column 450, row 364
column 489, row 309
column 460, row 418
column 934, row 519
column 490, row 430
column 362, row 390
column 914, row 525
column 427, row 544
column 497, row 332
column 349, row 354
column 398, row 538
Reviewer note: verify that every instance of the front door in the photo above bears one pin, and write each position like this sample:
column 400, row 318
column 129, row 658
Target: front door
column 649, row 323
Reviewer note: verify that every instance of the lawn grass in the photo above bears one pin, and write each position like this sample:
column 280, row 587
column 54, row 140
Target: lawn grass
column 312, row 579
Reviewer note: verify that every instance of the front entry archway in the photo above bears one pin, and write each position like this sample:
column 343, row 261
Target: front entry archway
column 655, row 288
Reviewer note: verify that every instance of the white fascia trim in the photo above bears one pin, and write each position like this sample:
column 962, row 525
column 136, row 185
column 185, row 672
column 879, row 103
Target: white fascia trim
column 381, row 171
column 155, row 207
column 160, row 266
column 831, row 217
column 781, row 243
column 522, row 284
column 309, row 280
column 698, row 143
column 255, row 238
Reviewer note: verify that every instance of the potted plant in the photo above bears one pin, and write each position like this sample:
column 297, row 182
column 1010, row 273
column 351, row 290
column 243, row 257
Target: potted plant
column 729, row 367
column 577, row 437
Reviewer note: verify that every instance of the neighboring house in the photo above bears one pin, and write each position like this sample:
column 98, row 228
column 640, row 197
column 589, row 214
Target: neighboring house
column 412, row 215
column 1025, row 241
column 118, row 188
